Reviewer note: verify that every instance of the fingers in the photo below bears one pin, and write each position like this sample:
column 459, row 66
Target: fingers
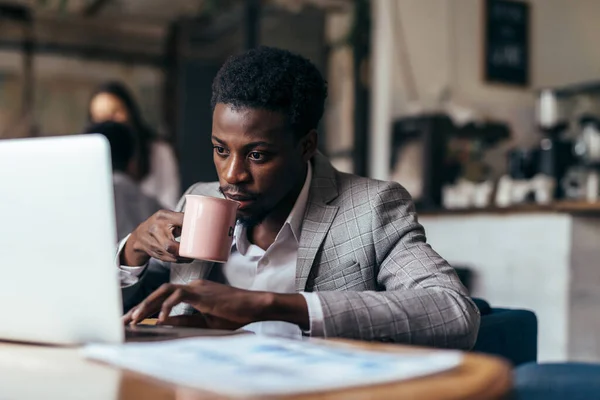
column 195, row 321
column 165, row 298
column 162, row 255
column 153, row 303
column 155, row 236
column 160, row 245
column 178, row 296
column 166, row 247
column 171, row 246
column 173, row 218
column 127, row 318
column 176, row 231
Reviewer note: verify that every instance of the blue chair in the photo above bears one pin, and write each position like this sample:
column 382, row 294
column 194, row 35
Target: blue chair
column 509, row 333
column 571, row 381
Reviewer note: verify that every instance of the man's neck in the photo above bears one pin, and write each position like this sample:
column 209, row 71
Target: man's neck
column 263, row 235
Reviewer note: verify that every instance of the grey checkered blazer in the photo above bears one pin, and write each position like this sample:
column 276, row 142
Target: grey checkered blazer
column 364, row 253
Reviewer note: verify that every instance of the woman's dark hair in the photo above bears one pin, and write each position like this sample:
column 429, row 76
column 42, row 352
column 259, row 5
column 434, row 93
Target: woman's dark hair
column 143, row 134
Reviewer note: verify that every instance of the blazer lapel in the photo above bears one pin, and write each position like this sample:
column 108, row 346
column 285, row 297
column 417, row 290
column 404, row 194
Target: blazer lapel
column 317, row 222
column 317, row 217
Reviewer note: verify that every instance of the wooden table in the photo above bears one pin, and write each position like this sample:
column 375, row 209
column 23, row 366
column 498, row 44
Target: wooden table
column 30, row 371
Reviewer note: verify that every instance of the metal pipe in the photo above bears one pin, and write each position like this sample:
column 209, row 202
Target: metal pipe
column 252, row 23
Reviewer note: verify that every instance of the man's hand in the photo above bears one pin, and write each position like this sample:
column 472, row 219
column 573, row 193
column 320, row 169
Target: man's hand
column 154, row 238
column 220, row 306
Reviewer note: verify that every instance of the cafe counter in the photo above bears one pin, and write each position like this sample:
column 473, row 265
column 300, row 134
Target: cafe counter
column 542, row 258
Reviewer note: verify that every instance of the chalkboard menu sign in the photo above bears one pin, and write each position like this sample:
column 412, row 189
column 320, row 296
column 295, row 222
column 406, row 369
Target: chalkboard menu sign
column 507, row 42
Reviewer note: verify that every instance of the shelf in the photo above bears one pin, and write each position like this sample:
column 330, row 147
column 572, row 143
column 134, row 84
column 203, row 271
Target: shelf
column 567, row 207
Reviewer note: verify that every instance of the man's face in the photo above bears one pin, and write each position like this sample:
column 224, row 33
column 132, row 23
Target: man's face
column 258, row 159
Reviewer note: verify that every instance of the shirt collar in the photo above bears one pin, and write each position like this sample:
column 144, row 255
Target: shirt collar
column 293, row 221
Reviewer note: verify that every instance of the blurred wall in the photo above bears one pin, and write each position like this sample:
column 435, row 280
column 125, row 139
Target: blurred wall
column 203, row 47
column 62, row 92
column 339, row 111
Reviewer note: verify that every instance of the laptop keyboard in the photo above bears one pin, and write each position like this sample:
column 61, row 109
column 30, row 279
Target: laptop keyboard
column 150, row 332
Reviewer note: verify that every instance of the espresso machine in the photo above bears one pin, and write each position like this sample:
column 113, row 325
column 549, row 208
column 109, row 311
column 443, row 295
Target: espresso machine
column 424, row 161
column 582, row 181
column 587, row 151
column 555, row 152
column 536, row 174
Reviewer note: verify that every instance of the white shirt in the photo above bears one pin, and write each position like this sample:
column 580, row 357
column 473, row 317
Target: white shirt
column 132, row 206
column 274, row 270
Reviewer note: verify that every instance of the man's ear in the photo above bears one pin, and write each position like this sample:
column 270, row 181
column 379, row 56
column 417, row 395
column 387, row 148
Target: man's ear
column 308, row 144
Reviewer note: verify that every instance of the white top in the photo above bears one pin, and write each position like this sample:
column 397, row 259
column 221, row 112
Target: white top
column 162, row 182
column 132, row 206
column 274, row 270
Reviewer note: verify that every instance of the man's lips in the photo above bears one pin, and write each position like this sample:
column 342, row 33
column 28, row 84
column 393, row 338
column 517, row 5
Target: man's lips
column 244, row 201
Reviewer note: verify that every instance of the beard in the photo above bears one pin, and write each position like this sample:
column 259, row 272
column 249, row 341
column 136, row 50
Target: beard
column 251, row 221
column 251, row 217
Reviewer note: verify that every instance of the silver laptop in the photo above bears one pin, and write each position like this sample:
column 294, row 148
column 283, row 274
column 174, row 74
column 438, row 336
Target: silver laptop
column 58, row 279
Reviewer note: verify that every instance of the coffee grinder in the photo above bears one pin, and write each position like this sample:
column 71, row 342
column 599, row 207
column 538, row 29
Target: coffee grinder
column 555, row 153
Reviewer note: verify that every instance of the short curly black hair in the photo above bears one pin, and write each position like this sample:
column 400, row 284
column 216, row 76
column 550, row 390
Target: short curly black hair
column 276, row 80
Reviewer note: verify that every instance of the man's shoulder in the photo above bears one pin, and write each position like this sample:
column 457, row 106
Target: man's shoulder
column 367, row 190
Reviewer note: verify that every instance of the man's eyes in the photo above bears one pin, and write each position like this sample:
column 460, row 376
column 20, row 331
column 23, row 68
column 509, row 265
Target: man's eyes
column 253, row 155
column 219, row 149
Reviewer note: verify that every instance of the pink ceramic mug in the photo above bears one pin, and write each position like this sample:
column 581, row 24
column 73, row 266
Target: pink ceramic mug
column 207, row 231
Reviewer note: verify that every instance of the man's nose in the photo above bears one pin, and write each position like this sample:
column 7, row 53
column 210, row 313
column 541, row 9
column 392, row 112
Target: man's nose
column 236, row 170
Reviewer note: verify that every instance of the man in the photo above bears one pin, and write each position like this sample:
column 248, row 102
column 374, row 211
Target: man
column 132, row 206
column 315, row 251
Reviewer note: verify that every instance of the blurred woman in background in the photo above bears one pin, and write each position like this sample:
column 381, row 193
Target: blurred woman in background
column 154, row 164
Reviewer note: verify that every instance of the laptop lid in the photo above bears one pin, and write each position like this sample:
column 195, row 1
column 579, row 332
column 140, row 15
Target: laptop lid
column 58, row 280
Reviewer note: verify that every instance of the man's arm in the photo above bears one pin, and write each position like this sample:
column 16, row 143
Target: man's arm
column 220, row 306
column 424, row 302
column 137, row 282
column 144, row 257
column 141, row 274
